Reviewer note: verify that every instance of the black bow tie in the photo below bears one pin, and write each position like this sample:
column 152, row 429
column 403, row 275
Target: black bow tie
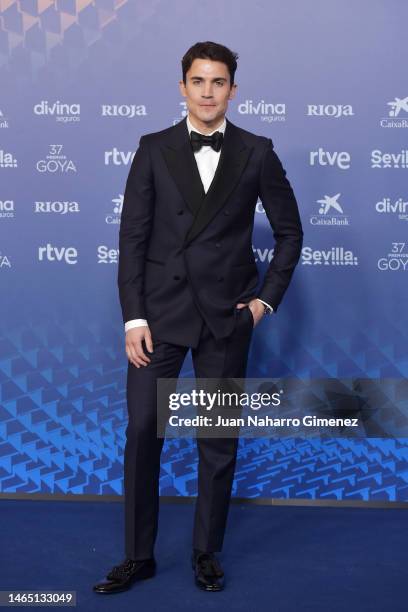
column 202, row 140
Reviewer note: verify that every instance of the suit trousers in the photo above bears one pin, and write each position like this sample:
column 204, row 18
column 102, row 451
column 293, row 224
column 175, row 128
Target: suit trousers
column 212, row 358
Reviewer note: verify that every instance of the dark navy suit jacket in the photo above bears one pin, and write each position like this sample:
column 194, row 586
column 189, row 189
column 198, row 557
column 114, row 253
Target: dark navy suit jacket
column 185, row 255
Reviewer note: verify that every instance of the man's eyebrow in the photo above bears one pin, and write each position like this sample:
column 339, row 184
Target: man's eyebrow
column 215, row 79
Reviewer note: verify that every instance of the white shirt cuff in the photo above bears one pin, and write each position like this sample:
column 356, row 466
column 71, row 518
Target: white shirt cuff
column 266, row 304
column 135, row 323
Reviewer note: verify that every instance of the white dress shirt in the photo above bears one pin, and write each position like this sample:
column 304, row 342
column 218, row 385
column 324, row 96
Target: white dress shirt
column 207, row 161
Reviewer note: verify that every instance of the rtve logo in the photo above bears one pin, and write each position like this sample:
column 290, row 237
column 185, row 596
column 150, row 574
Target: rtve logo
column 118, row 158
column 68, row 255
column 340, row 159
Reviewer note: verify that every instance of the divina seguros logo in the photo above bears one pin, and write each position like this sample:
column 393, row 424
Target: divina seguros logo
column 398, row 207
column 266, row 111
column 6, row 209
column 60, row 111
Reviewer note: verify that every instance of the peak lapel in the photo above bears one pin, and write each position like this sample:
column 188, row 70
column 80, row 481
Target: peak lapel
column 183, row 167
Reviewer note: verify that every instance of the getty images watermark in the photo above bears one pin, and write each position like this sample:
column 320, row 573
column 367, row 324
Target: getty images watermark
column 260, row 407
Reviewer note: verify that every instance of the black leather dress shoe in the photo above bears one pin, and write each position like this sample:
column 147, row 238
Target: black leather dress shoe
column 208, row 573
column 122, row 576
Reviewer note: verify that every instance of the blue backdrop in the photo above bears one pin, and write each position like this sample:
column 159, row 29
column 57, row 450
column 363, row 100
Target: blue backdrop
column 80, row 82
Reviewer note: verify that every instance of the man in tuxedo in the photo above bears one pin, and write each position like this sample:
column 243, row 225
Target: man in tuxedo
column 188, row 280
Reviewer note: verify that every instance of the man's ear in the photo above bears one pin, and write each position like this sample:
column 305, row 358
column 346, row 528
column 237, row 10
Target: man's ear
column 182, row 88
column 233, row 91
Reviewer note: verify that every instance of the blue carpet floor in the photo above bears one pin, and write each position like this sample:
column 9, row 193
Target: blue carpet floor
column 275, row 558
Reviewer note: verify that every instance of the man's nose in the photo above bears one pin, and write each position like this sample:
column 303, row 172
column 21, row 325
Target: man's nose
column 207, row 91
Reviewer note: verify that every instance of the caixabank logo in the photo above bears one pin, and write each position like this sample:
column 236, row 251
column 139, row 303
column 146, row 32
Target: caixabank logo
column 116, row 205
column 330, row 212
column 396, row 260
column 397, row 114
column 4, row 124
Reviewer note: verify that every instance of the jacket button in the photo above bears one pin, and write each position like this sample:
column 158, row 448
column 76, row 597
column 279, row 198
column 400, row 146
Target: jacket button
column 226, row 212
column 180, row 212
column 218, row 244
column 176, row 277
column 220, row 278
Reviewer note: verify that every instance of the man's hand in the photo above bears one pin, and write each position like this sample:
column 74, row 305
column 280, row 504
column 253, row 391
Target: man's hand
column 256, row 307
column 134, row 348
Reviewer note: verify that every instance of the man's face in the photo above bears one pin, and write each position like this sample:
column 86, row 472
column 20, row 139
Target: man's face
column 207, row 91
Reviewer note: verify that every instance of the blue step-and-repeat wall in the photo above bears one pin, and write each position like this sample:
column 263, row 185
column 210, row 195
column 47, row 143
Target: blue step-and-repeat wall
column 80, row 82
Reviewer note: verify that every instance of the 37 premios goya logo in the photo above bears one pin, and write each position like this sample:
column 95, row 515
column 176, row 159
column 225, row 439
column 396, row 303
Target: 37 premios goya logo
column 396, row 260
column 56, row 162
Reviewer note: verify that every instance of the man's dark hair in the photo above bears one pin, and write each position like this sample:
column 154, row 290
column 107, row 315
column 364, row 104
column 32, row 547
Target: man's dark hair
column 212, row 51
